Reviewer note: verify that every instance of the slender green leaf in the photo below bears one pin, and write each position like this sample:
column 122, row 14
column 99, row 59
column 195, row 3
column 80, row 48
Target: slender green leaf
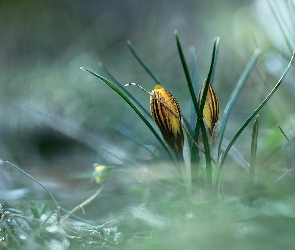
column 195, row 86
column 279, row 16
column 130, row 103
column 253, row 152
column 256, row 111
column 199, row 111
column 209, row 79
column 36, row 211
column 211, row 74
column 46, row 190
column 126, row 91
column 195, row 154
column 241, row 82
column 287, row 173
column 33, row 203
column 286, row 136
column 187, row 74
column 44, row 207
column 134, row 53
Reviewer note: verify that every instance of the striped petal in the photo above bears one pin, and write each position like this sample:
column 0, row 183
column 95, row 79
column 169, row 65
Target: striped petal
column 166, row 114
column 211, row 108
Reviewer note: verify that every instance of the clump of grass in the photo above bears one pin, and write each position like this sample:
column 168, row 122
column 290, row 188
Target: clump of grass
column 43, row 228
column 205, row 134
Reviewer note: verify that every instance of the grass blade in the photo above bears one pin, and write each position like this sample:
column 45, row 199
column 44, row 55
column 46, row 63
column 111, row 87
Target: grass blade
column 126, row 91
column 282, row 24
column 130, row 103
column 287, row 173
column 187, row 75
column 46, row 190
column 286, row 136
column 241, row 82
column 198, row 110
column 256, row 111
column 253, row 152
column 214, row 60
column 195, row 154
column 195, row 86
column 211, row 73
column 134, row 53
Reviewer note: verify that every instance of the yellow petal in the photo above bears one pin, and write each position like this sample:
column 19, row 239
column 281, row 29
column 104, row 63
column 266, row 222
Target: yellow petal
column 166, row 114
column 211, row 108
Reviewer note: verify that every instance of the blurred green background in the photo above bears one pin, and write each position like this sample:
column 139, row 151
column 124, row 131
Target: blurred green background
column 57, row 120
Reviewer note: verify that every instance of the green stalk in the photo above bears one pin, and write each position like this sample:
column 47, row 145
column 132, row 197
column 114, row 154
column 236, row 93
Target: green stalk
column 83, row 204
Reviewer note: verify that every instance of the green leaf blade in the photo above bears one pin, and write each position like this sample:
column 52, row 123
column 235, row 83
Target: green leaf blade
column 146, row 68
column 126, row 91
column 199, row 111
column 253, row 152
column 256, row 111
column 241, row 82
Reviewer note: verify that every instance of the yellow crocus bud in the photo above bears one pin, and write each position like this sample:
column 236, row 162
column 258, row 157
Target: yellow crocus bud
column 211, row 108
column 166, row 114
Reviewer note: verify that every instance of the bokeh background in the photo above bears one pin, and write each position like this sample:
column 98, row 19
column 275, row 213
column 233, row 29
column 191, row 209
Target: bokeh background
column 56, row 120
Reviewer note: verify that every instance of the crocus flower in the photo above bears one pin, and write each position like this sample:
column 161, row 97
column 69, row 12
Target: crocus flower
column 211, row 108
column 166, row 114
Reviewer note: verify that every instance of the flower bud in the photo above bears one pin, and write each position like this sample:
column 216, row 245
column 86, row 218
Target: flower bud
column 166, row 114
column 211, row 108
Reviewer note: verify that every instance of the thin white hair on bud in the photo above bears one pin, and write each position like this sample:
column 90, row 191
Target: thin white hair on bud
column 129, row 84
column 135, row 84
